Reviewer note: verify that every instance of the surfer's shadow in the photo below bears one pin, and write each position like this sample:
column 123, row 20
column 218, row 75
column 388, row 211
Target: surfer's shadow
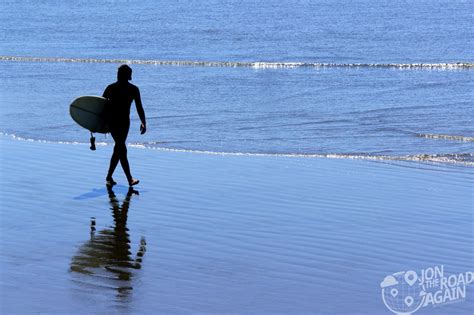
column 98, row 192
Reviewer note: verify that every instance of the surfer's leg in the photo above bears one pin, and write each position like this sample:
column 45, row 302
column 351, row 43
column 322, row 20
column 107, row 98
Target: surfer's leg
column 123, row 152
column 126, row 168
column 124, row 162
column 116, row 155
column 113, row 163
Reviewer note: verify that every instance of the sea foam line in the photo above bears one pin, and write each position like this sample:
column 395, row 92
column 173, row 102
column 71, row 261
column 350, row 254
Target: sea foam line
column 433, row 158
column 446, row 137
column 458, row 159
column 236, row 64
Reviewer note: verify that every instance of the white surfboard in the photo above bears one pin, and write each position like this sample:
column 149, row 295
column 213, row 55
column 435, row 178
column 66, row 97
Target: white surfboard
column 89, row 112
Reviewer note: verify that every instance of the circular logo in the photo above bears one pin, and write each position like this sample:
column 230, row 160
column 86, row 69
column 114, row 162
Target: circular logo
column 402, row 292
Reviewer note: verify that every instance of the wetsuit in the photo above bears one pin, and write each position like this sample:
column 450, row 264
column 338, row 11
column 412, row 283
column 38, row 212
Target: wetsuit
column 120, row 95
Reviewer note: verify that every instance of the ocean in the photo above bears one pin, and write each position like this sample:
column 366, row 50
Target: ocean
column 386, row 80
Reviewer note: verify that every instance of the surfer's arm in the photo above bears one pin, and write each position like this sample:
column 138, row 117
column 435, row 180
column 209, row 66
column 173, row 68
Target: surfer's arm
column 140, row 111
column 138, row 104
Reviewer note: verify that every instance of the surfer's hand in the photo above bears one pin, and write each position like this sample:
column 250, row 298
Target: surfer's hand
column 142, row 128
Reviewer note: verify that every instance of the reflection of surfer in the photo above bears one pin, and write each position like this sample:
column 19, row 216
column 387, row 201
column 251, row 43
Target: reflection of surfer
column 107, row 254
column 120, row 96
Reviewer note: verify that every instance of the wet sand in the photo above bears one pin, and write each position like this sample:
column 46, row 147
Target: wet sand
column 222, row 234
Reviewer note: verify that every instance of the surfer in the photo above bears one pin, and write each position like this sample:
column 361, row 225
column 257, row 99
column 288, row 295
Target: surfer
column 120, row 96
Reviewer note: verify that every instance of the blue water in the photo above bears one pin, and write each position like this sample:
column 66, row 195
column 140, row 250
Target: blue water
column 399, row 110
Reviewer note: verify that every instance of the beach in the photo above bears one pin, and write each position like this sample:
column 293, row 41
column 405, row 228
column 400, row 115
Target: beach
column 222, row 234
column 300, row 157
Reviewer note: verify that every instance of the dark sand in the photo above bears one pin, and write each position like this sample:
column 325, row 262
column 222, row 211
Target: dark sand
column 224, row 234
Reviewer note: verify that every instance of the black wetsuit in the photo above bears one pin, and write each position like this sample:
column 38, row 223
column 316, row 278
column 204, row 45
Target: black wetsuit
column 121, row 94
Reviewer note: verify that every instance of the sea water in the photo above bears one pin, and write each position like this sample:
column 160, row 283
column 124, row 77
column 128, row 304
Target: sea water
column 389, row 80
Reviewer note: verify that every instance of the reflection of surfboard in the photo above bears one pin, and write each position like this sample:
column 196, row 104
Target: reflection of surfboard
column 89, row 113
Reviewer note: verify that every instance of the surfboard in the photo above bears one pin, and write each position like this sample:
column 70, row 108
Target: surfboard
column 89, row 113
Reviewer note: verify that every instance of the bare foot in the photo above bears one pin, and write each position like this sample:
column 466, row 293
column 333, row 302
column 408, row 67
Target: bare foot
column 133, row 182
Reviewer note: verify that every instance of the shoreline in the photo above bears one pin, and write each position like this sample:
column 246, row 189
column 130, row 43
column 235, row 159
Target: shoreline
column 224, row 234
column 452, row 159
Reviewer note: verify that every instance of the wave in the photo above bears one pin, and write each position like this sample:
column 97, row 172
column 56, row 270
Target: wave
column 236, row 64
column 446, row 137
column 464, row 159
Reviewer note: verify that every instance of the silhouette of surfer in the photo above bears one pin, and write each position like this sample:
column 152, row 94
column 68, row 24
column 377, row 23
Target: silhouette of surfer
column 120, row 96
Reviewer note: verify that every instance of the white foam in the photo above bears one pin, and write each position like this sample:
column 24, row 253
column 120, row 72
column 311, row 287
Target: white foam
column 446, row 137
column 466, row 159
column 235, row 64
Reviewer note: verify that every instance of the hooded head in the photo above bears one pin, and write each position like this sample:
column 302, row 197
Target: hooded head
column 124, row 73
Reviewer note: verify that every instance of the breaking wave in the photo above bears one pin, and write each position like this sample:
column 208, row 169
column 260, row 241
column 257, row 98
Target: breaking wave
column 236, row 64
column 446, row 137
column 464, row 159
